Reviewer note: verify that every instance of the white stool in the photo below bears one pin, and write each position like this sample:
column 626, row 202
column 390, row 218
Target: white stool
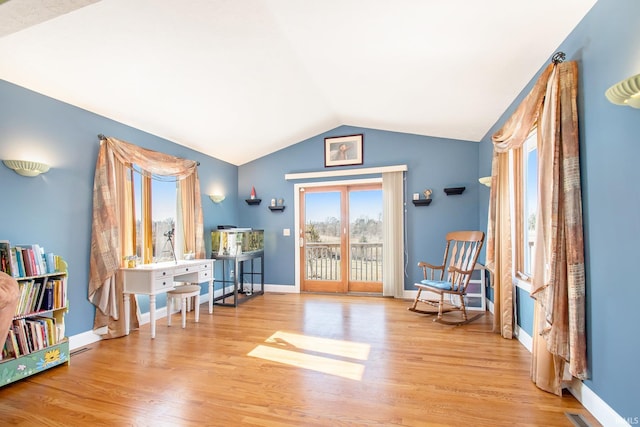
column 183, row 292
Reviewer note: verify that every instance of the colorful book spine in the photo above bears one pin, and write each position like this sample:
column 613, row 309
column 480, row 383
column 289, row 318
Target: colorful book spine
column 20, row 261
column 47, row 298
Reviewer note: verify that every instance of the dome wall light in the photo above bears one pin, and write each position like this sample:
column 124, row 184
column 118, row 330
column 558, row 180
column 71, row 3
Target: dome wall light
column 26, row 168
column 216, row 198
column 626, row 92
column 485, row 180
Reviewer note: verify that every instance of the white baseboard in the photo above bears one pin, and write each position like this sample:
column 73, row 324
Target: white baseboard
column 490, row 305
column 591, row 401
column 596, row 406
column 82, row 339
column 282, row 289
column 524, row 338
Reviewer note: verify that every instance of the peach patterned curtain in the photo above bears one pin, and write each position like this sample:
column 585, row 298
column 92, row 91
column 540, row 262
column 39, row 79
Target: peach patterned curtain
column 499, row 249
column 192, row 222
column 111, row 234
column 558, row 270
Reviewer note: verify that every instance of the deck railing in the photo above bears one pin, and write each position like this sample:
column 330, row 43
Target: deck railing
column 323, row 261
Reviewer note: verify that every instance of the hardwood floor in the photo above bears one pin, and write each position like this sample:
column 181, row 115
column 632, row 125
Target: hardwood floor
column 294, row 360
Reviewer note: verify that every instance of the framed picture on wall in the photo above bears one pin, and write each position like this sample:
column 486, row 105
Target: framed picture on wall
column 343, row 150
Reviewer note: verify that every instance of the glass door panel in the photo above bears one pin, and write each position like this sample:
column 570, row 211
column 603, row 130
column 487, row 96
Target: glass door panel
column 341, row 238
column 365, row 239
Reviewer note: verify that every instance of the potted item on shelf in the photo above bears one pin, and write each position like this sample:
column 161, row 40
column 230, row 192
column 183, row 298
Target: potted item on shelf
column 423, row 202
column 253, row 200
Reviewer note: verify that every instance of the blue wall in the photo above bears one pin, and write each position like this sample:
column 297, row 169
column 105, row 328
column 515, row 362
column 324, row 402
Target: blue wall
column 432, row 163
column 606, row 45
column 54, row 209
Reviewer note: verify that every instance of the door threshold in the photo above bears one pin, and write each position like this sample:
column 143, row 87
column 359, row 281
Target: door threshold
column 349, row 294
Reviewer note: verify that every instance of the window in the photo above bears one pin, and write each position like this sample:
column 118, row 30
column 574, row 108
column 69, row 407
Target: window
column 525, row 167
column 154, row 228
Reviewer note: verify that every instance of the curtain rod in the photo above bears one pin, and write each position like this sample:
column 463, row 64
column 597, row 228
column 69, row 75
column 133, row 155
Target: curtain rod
column 558, row 57
column 101, row 137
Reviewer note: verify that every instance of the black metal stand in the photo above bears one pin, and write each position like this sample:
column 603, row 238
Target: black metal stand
column 169, row 235
column 243, row 290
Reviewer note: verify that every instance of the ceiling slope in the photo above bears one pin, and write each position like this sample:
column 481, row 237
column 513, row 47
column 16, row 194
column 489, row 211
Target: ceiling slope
column 240, row 79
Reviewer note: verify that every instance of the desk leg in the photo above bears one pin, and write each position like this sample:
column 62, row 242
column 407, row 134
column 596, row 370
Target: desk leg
column 152, row 314
column 211, row 296
column 127, row 309
column 235, row 284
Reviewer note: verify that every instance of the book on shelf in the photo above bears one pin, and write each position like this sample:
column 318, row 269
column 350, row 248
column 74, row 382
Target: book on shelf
column 5, row 258
column 14, row 343
column 15, row 267
column 40, row 258
column 38, row 302
column 27, row 257
column 50, row 261
column 20, row 331
column 11, row 349
column 19, row 261
column 28, row 260
column 28, row 335
column 34, row 329
column 31, row 292
column 41, row 295
column 49, row 329
column 47, row 297
column 59, row 292
column 35, row 261
column 25, row 288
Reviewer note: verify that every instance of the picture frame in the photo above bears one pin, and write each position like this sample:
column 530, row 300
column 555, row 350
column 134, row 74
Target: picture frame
column 343, row 150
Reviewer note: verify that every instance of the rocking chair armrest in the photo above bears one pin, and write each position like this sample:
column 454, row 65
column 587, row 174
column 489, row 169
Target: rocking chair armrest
column 424, row 265
column 454, row 269
column 430, row 270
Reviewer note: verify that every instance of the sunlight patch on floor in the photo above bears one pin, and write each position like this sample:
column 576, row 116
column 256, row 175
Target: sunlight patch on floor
column 352, row 350
column 294, row 350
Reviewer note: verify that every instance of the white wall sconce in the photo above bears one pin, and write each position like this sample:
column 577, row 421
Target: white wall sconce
column 26, row 168
column 485, row 180
column 216, row 198
column 626, row 92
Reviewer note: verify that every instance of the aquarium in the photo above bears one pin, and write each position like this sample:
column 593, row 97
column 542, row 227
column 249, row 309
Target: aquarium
column 236, row 241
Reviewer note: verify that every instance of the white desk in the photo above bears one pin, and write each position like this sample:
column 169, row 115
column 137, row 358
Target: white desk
column 158, row 278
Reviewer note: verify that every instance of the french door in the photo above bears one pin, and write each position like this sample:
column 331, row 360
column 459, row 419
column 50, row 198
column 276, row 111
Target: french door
column 341, row 238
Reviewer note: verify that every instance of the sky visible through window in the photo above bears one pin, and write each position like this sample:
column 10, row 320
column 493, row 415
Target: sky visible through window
column 321, row 206
column 164, row 198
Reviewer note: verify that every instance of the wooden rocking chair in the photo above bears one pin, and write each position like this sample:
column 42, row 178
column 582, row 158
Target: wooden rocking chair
column 460, row 256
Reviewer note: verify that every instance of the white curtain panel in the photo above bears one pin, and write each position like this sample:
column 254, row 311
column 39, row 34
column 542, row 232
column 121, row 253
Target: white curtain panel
column 393, row 234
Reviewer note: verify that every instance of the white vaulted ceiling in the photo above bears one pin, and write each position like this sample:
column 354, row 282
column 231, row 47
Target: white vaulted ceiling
column 239, row 79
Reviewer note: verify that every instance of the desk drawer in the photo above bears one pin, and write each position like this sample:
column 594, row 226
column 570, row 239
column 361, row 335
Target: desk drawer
column 196, row 273
column 205, row 276
column 186, row 269
column 164, row 273
column 148, row 282
column 162, row 284
column 194, row 277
